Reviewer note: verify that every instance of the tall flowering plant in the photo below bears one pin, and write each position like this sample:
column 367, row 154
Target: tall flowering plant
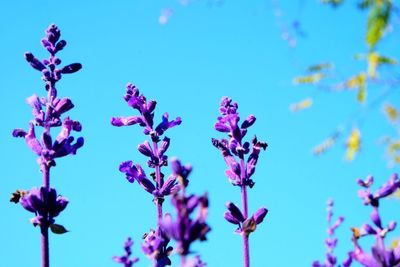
column 48, row 112
column 380, row 256
column 331, row 241
column 156, row 241
column 185, row 229
column 240, row 170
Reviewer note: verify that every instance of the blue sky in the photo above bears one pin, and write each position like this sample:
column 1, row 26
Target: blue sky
column 204, row 52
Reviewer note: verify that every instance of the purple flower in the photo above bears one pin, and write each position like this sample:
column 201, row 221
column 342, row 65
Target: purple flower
column 155, row 246
column 229, row 123
column 135, row 172
column 125, row 259
column 195, row 262
column 184, row 229
column 331, row 241
column 44, row 203
column 146, row 119
column 154, row 150
column 180, row 171
column 47, row 111
column 245, row 226
column 380, row 255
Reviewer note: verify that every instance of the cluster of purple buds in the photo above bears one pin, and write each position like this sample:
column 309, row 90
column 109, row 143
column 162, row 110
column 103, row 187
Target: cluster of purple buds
column 380, row 255
column 126, row 259
column 47, row 150
column 48, row 67
column 184, row 229
column 155, row 152
column 159, row 191
column 239, row 170
column 245, row 226
column 238, row 173
column 146, row 109
column 44, row 202
column 155, row 246
column 47, row 112
column 331, row 241
column 156, row 242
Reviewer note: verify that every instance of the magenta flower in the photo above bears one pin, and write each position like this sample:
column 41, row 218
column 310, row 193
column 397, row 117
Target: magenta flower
column 380, row 256
column 146, row 109
column 47, row 113
column 155, row 246
column 240, row 170
column 184, row 229
column 126, row 259
column 331, row 241
column 44, row 203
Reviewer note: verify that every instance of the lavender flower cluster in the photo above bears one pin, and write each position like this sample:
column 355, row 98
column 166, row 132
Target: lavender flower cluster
column 380, row 255
column 173, row 233
column 184, row 229
column 47, row 112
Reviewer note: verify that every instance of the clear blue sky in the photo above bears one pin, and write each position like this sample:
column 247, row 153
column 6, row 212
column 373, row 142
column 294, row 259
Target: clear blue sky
column 204, row 52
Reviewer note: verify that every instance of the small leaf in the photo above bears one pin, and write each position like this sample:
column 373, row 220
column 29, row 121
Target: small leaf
column 309, row 79
column 319, row 67
column 353, row 144
column 375, row 60
column 326, row 144
column 391, row 112
column 356, row 81
column 58, row 229
column 362, row 94
column 304, row 104
column 378, row 19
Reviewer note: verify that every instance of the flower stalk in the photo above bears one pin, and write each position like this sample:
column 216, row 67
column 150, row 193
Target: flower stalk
column 43, row 201
column 239, row 170
column 155, row 244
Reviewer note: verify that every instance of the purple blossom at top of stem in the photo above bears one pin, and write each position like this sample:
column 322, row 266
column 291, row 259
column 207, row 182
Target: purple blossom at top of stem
column 138, row 101
column 155, row 246
column 45, row 203
column 240, row 170
column 47, row 111
column 126, row 259
column 380, row 255
column 331, row 241
column 234, row 146
column 155, row 151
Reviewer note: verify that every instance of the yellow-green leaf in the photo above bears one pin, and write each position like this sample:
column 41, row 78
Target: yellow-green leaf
column 353, row 144
column 356, row 81
column 391, row 112
column 377, row 21
column 309, row 79
column 299, row 106
column 326, row 144
column 362, row 94
column 319, row 67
